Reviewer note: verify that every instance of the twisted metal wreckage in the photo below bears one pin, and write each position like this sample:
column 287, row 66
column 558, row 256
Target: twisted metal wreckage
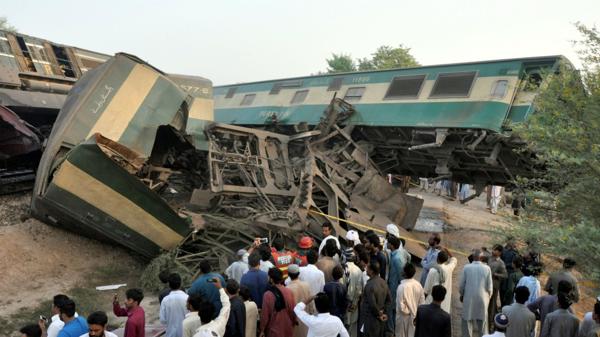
column 135, row 159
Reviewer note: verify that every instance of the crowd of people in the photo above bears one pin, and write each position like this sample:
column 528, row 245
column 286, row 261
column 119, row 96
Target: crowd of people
column 367, row 287
column 495, row 195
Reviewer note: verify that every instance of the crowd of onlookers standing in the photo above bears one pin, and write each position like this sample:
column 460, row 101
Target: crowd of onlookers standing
column 365, row 287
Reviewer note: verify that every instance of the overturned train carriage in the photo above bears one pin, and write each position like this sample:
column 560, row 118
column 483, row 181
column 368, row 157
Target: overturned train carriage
column 134, row 158
column 451, row 121
column 35, row 77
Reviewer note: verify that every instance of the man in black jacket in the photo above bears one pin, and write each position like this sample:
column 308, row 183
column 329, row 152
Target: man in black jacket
column 236, row 325
column 432, row 320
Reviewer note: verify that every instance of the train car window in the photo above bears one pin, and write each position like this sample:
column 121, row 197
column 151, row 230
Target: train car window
column 335, row 84
column 26, row 54
column 533, row 80
column 299, row 97
column 499, row 89
column 248, row 99
column 5, row 47
column 38, row 53
column 354, row 94
column 285, row 85
column 405, row 87
column 230, row 92
column 453, row 85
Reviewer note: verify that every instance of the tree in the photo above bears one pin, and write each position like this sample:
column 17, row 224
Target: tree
column 365, row 64
column 385, row 57
column 339, row 63
column 564, row 213
column 4, row 25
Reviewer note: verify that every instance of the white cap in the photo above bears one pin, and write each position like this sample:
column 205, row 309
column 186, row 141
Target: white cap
column 352, row 235
column 393, row 229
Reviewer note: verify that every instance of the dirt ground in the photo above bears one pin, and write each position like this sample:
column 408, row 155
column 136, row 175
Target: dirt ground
column 39, row 261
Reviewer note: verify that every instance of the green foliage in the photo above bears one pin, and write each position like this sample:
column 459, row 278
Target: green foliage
column 564, row 213
column 4, row 25
column 365, row 64
column 385, row 57
column 166, row 261
column 339, row 63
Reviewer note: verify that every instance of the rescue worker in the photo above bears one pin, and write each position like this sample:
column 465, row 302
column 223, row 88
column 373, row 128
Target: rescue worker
column 282, row 257
column 304, row 245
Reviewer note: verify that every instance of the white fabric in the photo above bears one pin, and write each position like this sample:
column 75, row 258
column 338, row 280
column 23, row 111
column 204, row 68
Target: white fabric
column 496, row 334
column 354, row 285
column 106, row 334
column 216, row 327
column 236, row 270
column 191, row 323
column 408, row 298
column 424, row 183
column 476, row 289
column 496, row 195
column 533, row 284
column 329, row 237
column 313, row 276
column 433, row 279
column 393, row 230
column 321, row 325
column 56, row 325
column 353, row 236
column 405, row 326
column 587, row 325
column 172, row 312
column 251, row 318
column 266, row 265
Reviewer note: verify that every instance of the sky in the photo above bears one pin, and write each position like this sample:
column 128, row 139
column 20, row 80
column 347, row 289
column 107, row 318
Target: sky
column 241, row 41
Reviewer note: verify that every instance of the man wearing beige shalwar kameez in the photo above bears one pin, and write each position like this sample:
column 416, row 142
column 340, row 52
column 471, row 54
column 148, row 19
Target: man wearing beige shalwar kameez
column 475, row 293
column 301, row 291
column 408, row 298
column 445, row 265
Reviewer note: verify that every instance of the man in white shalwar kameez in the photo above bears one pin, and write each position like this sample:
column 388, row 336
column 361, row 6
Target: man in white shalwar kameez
column 408, row 298
column 496, row 196
column 475, row 293
column 445, row 265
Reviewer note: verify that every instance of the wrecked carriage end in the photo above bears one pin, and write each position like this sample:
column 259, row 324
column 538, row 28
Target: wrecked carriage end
column 127, row 101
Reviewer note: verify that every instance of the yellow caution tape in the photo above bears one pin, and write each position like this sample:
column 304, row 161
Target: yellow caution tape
column 379, row 230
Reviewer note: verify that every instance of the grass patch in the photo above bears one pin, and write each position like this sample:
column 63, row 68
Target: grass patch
column 11, row 326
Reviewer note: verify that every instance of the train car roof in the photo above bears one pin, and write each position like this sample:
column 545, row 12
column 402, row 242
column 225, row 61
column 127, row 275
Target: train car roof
column 522, row 59
column 54, row 43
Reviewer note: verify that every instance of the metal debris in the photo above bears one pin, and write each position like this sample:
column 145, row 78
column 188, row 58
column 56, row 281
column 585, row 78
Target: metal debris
column 206, row 189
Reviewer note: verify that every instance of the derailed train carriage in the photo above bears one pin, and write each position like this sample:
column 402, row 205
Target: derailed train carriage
column 134, row 158
column 446, row 121
column 35, row 77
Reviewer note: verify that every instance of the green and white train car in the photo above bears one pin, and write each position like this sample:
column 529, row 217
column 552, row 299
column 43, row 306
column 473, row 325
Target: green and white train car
column 449, row 120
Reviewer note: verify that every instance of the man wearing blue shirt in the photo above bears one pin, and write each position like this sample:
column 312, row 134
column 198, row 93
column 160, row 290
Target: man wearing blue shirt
column 203, row 287
column 74, row 326
column 255, row 279
column 430, row 258
column 395, row 276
